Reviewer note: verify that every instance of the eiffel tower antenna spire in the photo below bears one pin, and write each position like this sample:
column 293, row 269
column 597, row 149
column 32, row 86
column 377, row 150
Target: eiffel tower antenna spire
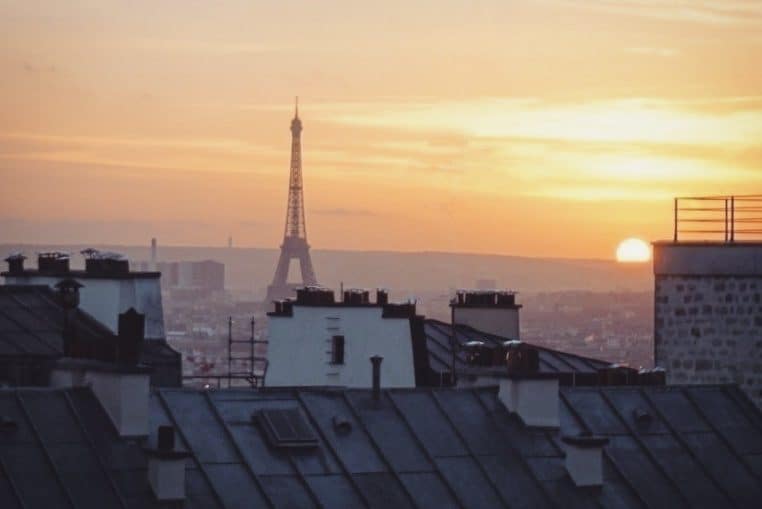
column 295, row 244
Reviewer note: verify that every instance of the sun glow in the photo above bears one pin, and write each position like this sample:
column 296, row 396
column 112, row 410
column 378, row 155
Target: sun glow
column 633, row 251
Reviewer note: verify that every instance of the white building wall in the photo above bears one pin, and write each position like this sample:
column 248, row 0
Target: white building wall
column 105, row 299
column 299, row 350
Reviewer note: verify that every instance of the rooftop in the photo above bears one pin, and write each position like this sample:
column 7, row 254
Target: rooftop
column 698, row 446
column 318, row 296
column 32, row 326
column 98, row 265
column 439, row 345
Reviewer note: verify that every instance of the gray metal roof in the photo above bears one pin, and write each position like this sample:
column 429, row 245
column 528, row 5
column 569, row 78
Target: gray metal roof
column 32, row 326
column 32, row 322
column 697, row 446
column 439, row 345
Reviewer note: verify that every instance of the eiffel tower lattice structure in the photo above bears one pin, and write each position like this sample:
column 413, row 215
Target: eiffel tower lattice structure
column 295, row 244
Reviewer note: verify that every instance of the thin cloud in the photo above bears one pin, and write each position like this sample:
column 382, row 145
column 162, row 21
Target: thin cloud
column 197, row 46
column 340, row 211
column 715, row 12
column 654, row 52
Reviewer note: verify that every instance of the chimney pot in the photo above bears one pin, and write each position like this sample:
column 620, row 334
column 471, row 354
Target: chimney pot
column 533, row 397
column 68, row 291
column 166, row 440
column 376, row 361
column 15, row 263
column 53, row 263
column 166, row 467
column 584, row 458
column 130, row 336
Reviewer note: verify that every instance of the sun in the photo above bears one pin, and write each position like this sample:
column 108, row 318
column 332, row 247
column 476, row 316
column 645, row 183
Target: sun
column 633, row 251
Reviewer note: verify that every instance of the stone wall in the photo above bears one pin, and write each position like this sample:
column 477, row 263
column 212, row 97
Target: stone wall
column 708, row 329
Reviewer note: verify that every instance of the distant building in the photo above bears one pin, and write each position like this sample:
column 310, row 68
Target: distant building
column 708, row 307
column 316, row 340
column 108, row 286
column 153, row 254
column 486, row 284
column 204, row 276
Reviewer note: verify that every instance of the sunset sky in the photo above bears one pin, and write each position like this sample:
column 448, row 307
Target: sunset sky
column 529, row 127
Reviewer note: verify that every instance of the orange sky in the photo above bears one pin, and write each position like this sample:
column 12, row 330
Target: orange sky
column 533, row 127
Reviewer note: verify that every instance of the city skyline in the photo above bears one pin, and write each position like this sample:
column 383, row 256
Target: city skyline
column 551, row 128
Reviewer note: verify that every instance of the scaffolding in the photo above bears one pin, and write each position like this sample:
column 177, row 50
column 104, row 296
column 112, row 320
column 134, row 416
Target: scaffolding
column 250, row 368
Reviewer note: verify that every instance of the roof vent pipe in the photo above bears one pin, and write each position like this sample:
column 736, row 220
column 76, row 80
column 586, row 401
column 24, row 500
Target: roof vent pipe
column 68, row 294
column 376, row 361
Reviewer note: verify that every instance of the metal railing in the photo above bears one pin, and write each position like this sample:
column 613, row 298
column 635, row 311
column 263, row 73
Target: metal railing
column 729, row 218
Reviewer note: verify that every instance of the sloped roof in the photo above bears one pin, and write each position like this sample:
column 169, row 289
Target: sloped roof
column 32, row 322
column 439, row 346
column 32, row 325
column 61, row 450
column 700, row 447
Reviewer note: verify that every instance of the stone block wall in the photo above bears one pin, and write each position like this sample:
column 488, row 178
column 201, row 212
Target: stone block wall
column 708, row 329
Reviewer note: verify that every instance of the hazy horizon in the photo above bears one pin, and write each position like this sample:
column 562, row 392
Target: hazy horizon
column 250, row 269
column 42, row 246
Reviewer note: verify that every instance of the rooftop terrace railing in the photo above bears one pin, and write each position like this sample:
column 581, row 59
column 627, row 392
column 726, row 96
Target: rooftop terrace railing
column 728, row 218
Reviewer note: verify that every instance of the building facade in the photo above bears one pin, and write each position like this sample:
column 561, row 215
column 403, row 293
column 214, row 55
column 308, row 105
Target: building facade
column 315, row 340
column 708, row 313
column 108, row 287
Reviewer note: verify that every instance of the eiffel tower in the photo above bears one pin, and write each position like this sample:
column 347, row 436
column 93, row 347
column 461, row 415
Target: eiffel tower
column 295, row 236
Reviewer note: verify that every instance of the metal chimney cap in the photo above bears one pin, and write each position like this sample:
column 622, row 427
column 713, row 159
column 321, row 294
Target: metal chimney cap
column 585, row 440
column 57, row 255
column 69, row 284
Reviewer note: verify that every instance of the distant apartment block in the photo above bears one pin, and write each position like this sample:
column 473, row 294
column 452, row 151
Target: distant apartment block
column 207, row 275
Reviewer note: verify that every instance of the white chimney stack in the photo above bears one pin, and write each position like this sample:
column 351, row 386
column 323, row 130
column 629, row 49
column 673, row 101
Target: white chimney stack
column 584, row 459
column 117, row 379
column 526, row 391
column 491, row 311
column 534, row 397
column 122, row 390
column 166, row 467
